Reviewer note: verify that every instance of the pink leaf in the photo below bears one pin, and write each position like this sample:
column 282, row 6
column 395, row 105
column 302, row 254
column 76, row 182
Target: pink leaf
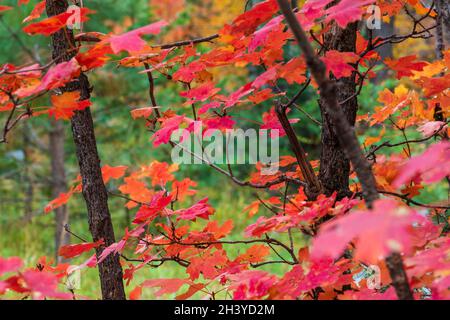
column 432, row 166
column 385, row 229
column 132, row 41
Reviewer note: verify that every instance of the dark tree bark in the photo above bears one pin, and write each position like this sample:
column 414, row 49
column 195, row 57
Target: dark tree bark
column 94, row 190
column 28, row 180
column 313, row 187
column 399, row 278
column 334, row 165
column 59, row 184
column 443, row 19
column 442, row 32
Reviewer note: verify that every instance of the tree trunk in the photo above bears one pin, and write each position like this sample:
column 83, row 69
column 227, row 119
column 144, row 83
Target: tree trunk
column 94, row 190
column 334, row 165
column 386, row 50
column 443, row 8
column 59, row 185
column 28, row 179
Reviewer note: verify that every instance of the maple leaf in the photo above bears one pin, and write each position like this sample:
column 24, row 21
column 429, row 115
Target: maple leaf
column 208, row 264
column 166, row 286
column 370, row 294
column 261, row 35
column 65, row 105
column 61, row 200
column 199, row 210
column 95, row 57
column 168, row 126
column 136, row 189
column 235, row 97
column 379, row 232
column 338, row 63
column 201, row 93
column 5, row 8
column 293, row 71
column 51, row 25
column 432, row 128
column 435, row 258
column 36, row 13
column 75, row 250
column 10, row 265
column 142, row 112
column 159, row 172
column 247, row 22
column 56, row 77
column 136, row 293
column 270, row 121
column 181, row 189
column 189, row 72
column 264, row 78
column 109, row 172
column 43, row 284
column 251, row 284
column 254, row 254
column 252, row 208
column 261, row 96
column 148, row 212
column 319, row 274
column 346, row 11
column 371, row 140
column 59, row 75
column 219, row 231
column 405, row 66
column 279, row 223
column 193, row 289
column 131, row 41
column 114, row 248
column 210, row 105
column 432, row 166
column 219, row 123
column 433, row 86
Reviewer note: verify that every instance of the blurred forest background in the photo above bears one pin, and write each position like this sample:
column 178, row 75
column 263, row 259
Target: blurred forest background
column 27, row 181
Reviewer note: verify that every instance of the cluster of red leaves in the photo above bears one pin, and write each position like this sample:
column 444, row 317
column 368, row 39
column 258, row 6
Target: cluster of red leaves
column 172, row 225
column 37, row 283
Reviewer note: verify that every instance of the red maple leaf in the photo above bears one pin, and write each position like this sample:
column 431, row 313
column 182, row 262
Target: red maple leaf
column 131, row 41
column 379, row 232
column 65, row 105
column 75, row 250
column 405, row 65
column 10, row 265
column 36, row 13
column 109, row 172
column 432, row 166
column 53, row 24
column 338, row 63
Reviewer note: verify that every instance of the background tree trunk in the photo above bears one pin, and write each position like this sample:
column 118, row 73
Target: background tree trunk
column 334, row 165
column 59, row 184
column 94, row 190
column 443, row 8
column 386, row 50
column 27, row 176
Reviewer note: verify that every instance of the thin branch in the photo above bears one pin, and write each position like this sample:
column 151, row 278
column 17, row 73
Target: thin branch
column 187, row 42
